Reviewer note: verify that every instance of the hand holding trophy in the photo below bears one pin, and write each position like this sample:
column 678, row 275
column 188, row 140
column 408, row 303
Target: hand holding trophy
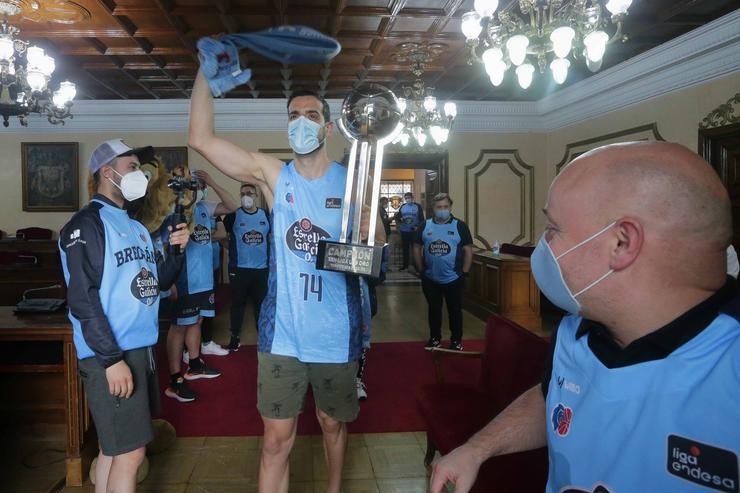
column 370, row 120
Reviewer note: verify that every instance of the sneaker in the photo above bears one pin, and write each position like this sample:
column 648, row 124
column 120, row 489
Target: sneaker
column 456, row 345
column 433, row 342
column 213, row 349
column 234, row 344
column 361, row 390
column 203, row 372
column 185, row 357
column 180, row 391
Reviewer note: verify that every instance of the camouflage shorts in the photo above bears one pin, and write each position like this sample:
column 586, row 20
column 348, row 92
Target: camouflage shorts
column 282, row 383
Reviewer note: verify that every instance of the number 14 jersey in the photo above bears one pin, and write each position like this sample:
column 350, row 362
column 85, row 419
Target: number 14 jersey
column 309, row 314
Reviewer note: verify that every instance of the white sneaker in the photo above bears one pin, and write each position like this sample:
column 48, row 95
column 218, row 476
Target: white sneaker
column 214, row 349
column 361, row 391
column 185, row 357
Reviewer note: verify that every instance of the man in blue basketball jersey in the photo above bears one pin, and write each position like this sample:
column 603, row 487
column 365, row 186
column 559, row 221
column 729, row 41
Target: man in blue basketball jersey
column 643, row 386
column 409, row 218
column 196, row 298
column 249, row 232
column 443, row 255
column 310, row 322
column 114, row 276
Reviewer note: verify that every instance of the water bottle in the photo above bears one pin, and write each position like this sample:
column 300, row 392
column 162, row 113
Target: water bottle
column 496, row 248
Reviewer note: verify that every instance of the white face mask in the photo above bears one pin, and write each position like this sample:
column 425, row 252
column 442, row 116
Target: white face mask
column 247, row 201
column 133, row 184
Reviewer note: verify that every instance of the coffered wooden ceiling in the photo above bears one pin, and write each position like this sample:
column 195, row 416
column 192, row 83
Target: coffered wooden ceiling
column 145, row 49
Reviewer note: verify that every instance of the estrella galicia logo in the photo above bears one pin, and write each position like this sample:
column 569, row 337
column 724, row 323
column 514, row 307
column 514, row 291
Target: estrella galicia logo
column 333, row 203
column 201, row 235
column 705, row 465
column 561, row 418
column 302, row 238
column 407, row 219
column 252, row 238
column 145, row 287
column 289, row 198
column 439, row 248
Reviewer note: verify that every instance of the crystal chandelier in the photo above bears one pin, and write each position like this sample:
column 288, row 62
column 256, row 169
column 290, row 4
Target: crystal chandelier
column 565, row 28
column 420, row 116
column 25, row 72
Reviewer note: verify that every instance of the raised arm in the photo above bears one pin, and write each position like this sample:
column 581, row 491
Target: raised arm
column 231, row 159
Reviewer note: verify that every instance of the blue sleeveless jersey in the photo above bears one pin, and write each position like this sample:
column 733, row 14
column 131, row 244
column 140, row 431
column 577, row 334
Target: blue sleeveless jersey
column 668, row 425
column 443, row 253
column 409, row 217
column 249, row 239
column 197, row 274
column 309, row 314
column 129, row 289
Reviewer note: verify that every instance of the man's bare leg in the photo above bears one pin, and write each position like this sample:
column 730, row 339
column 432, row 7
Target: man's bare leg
column 335, row 445
column 277, row 443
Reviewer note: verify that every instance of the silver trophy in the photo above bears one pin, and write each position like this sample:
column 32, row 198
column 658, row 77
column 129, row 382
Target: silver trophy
column 370, row 120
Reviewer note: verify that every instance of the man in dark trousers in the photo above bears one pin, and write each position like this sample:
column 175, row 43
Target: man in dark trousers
column 114, row 275
column 443, row 256
column 249, row 229
column 408, row 218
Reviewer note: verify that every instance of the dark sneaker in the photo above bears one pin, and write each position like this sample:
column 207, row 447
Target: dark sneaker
column 233, row 344
column 456, row 345
column 432, row 343
column 180, row 391
column 204, row 371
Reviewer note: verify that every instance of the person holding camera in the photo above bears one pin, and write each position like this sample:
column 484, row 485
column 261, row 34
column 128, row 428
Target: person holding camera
column 443, row 255
column 114, row 276
column 195, row 294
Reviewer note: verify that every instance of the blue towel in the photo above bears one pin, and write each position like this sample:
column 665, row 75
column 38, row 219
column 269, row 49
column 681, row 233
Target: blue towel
column 219, row 58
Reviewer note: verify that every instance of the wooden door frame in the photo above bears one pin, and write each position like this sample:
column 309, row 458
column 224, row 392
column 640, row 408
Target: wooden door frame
column 710, row 144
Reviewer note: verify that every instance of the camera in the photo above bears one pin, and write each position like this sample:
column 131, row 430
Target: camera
column 179, row 184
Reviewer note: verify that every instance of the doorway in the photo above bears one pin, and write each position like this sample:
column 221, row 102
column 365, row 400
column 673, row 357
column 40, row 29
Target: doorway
column 721, row 148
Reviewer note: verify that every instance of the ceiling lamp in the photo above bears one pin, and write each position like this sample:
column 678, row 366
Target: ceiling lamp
column 25, row 73
column 520, row 37
column 420, row 116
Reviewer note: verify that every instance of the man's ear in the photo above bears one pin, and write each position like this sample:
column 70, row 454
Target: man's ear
column 630, row 237
column 329, row 128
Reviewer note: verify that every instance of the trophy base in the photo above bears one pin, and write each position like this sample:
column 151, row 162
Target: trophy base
column 363, row 260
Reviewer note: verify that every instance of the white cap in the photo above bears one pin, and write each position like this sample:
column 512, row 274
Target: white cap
column 111, row 149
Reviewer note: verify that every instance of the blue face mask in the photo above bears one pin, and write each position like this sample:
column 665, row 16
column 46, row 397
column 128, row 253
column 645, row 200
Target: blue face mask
column 442, row 214
column 549, row 277
column 303, row 135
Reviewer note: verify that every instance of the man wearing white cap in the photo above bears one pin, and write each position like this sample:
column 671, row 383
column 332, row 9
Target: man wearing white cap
column 114, row 275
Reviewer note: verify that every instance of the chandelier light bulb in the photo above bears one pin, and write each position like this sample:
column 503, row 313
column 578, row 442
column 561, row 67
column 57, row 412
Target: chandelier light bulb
column 6, row 49
column 593, row 66
column 471, row 27
column 559, row 68
column 47, row 65
column 595, row 45
column 450, row 109
column 517, row 48
column 68, row 90
column 421, row 139
column 430, row 103
column 524, row 74
column 445, row 134
column 618, row 7
column 36, row 80
column 485, row 8
column 436, row 132
column 490, row 57
column 497, row 73
column 404, row 139
column 35, row 57
column 562, row 41
column 402, row 105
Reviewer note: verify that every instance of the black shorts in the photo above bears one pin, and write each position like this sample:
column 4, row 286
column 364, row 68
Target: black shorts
column 191, row 306
column 123, row 425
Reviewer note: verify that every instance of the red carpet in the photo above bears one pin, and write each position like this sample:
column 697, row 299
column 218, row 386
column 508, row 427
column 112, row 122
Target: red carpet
column 227, row 406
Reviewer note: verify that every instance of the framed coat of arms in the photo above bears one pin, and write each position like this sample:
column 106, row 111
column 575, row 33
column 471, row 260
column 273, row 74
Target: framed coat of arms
column 50, row 172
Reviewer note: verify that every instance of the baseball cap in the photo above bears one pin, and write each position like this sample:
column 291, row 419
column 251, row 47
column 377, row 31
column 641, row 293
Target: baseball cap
column 111, row 149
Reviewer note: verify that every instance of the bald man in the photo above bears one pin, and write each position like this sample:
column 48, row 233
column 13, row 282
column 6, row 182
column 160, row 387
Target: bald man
column 643, row 387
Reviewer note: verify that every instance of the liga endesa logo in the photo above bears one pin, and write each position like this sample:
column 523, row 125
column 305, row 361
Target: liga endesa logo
column 708, row 466
column 561, row 418
column 302, row 238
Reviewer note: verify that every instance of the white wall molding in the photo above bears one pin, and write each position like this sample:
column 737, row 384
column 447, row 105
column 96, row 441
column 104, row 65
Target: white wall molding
column 709, row 52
